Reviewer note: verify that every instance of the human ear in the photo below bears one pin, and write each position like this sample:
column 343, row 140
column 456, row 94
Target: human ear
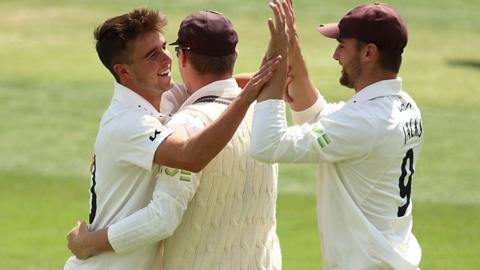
column 183, row 59
column 370, row 52
column 122, row 71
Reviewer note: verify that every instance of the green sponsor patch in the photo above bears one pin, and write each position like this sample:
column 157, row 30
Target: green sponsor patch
column 322, row 138
column 185, row 176
column 171, row 171
column 182, row 175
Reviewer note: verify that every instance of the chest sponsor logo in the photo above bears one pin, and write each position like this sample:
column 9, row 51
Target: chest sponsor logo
column 154, row 136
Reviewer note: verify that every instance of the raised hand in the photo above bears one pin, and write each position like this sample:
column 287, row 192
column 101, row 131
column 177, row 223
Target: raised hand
column 278, row 31
column 278, row 46
column 293, row 45
column 287, row 7
column 260, row 78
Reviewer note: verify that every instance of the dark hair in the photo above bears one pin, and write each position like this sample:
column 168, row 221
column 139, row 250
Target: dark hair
column 217, row 65
column 389, row 60
column 113, row 36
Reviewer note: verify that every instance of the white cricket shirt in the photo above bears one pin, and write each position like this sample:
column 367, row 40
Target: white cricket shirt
column 366, row 150
column 123, row 178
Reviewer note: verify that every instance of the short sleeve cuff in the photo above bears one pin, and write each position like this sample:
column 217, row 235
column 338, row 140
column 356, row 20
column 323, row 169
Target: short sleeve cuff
column 309, row 114
column 151, row 156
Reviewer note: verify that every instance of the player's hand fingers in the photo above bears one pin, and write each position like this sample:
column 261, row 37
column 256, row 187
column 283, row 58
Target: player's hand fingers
column 276, row 12
column 289, row 17
column 262, row 76
column 290, row 7
column 270, row 64
column 265, row 72
column 83, row 227
column 271, row 27
column 261, row 80
column 281, row 26
column 73, row 230
column 281, row 11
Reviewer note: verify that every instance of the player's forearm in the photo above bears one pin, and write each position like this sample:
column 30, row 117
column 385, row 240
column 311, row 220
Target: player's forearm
column 158, row 220
column 274, row 89
column 273, row 141
column 301, row 89
column 206, row 144
column 194, row 153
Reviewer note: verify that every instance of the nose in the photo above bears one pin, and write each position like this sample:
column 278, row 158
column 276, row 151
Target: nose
column 335, row 55
column 166, row 56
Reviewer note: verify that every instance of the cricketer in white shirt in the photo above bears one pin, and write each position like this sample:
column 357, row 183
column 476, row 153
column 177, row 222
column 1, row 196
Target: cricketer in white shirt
column 366, row 149
column 124, row 174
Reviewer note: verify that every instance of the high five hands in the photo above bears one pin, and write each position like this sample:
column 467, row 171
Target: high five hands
column 278, row 45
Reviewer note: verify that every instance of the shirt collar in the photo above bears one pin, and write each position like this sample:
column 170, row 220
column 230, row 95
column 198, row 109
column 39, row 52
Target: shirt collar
column 131, row 99
column 222, row 88
column 378, row 89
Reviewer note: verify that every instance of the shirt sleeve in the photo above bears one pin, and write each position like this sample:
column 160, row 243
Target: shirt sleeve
column 173, row 191
column 318, row 109
column 159, row 219
column 311, row 113
column 340, row 136
column 186, row 124
column 136, row 137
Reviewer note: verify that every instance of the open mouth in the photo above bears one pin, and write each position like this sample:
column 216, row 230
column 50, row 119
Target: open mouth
column 166, row 72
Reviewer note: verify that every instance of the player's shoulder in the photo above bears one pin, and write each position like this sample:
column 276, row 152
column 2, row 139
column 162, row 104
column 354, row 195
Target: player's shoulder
column 187, row 120
column 356, row 114
column 173, row 98
column 128, row 122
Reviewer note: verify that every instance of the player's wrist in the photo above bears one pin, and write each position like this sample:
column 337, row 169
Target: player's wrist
column 87, row 243
column 244, row 99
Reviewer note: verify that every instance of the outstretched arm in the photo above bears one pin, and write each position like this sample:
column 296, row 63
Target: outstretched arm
column 193, row 154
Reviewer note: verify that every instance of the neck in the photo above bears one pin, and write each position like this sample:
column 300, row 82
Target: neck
column 200, row 80
column 152, row 97
column 369, row 78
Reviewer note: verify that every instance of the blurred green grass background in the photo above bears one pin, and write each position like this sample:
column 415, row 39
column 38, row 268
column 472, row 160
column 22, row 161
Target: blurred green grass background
column 53, row 91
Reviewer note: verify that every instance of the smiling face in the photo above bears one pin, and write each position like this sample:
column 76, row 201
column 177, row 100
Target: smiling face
column 347, row 54
column 150, row 65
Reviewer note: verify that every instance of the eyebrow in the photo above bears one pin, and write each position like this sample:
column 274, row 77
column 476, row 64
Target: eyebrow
column 149, row 52
column 154, row 49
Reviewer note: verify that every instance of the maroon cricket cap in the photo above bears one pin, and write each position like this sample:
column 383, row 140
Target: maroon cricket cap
column 376, row 23
column 207, row 33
